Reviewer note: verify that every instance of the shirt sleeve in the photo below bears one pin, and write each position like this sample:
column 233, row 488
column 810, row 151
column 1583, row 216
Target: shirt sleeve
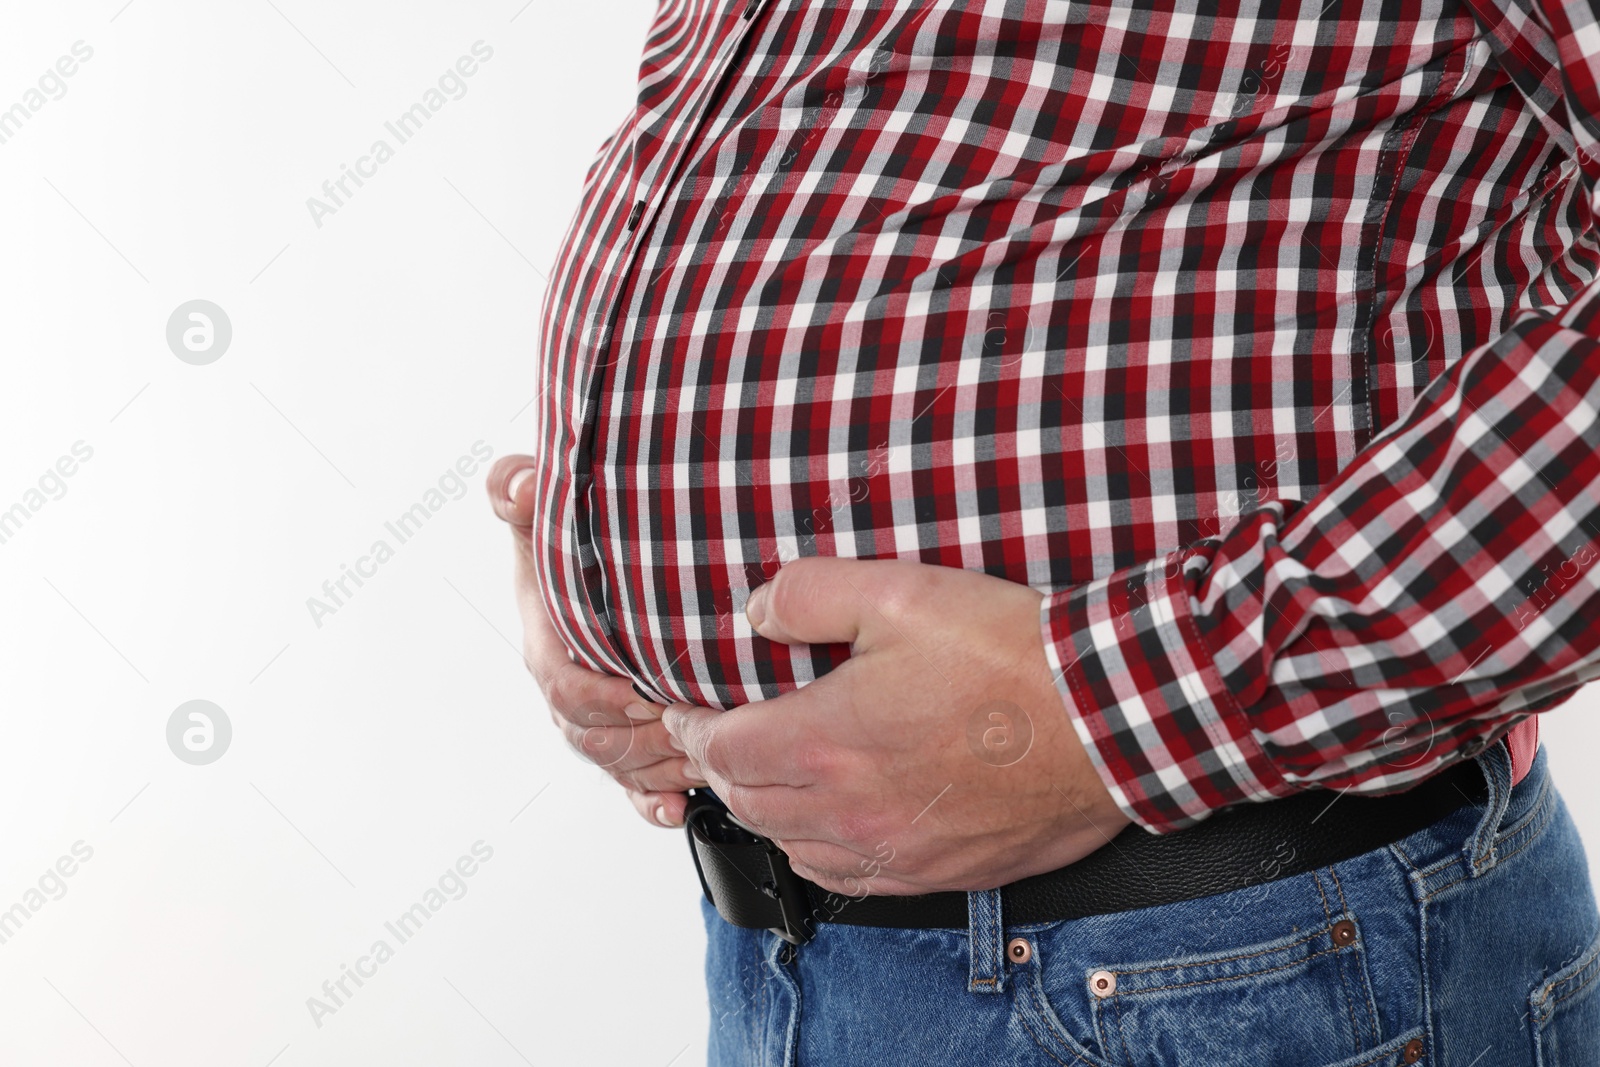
column 1441, row 589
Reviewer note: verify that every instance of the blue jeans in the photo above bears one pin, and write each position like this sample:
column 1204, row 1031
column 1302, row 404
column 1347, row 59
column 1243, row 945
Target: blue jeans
column 1475, row 943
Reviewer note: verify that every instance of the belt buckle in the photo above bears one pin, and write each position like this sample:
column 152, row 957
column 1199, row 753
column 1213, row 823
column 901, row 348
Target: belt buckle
column 789, row 890
column 785, row 887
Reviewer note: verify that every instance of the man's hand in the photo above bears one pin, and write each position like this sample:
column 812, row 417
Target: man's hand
column 939, row 756
column 600, row 716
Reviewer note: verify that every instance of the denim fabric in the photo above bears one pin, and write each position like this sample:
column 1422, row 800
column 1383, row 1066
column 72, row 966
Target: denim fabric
column 1477, row 936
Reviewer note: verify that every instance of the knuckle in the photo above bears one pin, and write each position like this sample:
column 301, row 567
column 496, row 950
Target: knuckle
column 816, row 761
column 851, row 827
column 902, row 599
column 740, row 801
column 653, row 738
column 792, row 586
column 709, row 749
column 605, row 745
column 560, row 689
column 573, row 735
column 803, row 859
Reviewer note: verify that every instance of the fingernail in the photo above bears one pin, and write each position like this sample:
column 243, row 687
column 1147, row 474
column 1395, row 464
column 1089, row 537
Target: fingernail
column 516, row 483
column 665, row 817
column 638, row 712
column 755, row 609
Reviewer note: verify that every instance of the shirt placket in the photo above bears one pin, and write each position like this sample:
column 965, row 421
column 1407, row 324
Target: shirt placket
column 650, row 188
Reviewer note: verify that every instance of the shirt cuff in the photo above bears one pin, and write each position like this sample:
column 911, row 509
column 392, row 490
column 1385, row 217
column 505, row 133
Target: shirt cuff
column 1142, row 690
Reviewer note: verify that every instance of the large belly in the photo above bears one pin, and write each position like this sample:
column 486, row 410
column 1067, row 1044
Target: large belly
column 1045, row 331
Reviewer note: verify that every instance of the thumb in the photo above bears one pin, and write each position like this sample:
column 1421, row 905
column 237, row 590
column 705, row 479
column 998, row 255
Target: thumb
column 819, row 600
column 512, row 490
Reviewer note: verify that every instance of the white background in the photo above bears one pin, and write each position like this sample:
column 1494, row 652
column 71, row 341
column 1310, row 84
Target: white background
column 368, row 355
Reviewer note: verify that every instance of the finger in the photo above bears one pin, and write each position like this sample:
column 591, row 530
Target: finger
column 821, row 600
column 773, row 811
column 659, row 809
column 663, row 776
column 511, row 489
column 600, row 745
column 771, row 742
column 623, row 748
column 848, row 872
column 589, row 698
column 542, row 648
column 856, row 885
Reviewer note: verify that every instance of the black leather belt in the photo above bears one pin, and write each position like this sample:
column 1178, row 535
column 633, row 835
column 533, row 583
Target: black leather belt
column 748, row 879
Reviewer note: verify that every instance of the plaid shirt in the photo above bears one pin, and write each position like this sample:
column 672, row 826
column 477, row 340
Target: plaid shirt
column 1256, row 341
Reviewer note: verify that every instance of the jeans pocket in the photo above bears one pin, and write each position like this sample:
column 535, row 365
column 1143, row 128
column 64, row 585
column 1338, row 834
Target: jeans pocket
column 1302, row 999
column 1564, row 1011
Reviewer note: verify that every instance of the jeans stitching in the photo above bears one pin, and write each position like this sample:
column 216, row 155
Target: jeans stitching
column 761, row 994
column 1043, row 1047
column 1039, row 1002
column 1372, row 1008
column 1375, row 1059
column 1433, row 893
column 1316, row 879
column 1122, row 1034
column 1592, row 972
column 791, row 1027
column 1344, row 983
column 1585, row 967
column 1227, row 959
column 1534, row 811
column 1225, row 978
column 1339, row 888
column 1530, row 826
column 1523, row 847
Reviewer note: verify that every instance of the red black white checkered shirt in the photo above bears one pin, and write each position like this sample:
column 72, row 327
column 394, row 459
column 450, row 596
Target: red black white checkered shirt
column 1258, row 339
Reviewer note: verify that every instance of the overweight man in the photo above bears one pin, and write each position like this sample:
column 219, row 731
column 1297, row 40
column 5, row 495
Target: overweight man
column 1077, row 508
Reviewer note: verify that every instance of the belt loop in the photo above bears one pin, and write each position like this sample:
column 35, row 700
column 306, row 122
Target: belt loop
column 986, row 933
column 1480, row 851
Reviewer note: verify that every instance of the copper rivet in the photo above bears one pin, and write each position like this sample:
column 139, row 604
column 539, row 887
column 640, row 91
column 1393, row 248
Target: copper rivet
column 1019, row 950
column 1344, row 932
column 1102, row 983
column 1413, row 1051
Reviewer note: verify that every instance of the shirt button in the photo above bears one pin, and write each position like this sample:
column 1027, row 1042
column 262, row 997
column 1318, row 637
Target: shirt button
column 635, row 215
